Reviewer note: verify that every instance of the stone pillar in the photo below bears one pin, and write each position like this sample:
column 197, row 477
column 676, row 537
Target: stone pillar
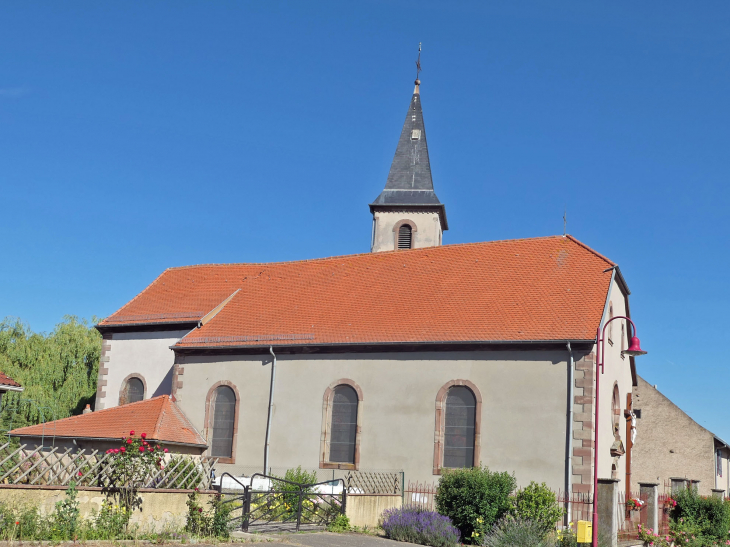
column 606, row 500
column 650, row 490
column 718, row 493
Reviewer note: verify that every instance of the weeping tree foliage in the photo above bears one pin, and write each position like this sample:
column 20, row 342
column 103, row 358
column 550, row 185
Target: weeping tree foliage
column 58, row 370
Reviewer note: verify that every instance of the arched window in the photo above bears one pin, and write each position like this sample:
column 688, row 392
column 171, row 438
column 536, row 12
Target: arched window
column 343, row 429
column 224, row 417
column 405, row 236
column 616, row 412
column 610, row 325
column 132, row 391
column 459, row 427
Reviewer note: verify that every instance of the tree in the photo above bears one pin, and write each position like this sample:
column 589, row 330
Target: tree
column 58, row 371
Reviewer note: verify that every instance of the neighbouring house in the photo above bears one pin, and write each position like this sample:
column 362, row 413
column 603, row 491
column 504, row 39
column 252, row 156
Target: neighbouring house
column 417, row 356
column 674, row 450
column 159, row 417
column 8, row 384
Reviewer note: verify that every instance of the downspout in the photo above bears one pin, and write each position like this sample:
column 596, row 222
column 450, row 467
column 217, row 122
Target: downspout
column 569, row 443
column 271, row 407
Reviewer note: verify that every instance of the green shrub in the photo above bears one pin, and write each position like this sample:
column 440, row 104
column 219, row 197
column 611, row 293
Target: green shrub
column 300, row 477
column 339, row 524
column 474, row 499
column 213, row 522
column 537, row 503
column 710, row 516
column 519, row 532
column 66, row 514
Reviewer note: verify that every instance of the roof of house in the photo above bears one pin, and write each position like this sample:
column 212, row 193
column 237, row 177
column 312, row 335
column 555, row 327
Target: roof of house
column 540, row 289
column 6, row 380
column 159, row 417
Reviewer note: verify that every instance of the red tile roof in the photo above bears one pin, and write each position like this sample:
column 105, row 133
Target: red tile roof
column 159, row 417
column 541, row 289
column 6, row 380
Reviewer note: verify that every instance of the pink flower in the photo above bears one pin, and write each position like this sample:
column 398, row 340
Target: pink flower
column 150, row 449
column 129, row 441
column 80, row 473
column 131, row 432
column 141, row 448
column 165, row 451
column 116, row 451
column 145, row 443
column 143, row 435
column 122, row 449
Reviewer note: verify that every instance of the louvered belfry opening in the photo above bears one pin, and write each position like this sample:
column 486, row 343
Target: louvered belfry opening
column 405, row 237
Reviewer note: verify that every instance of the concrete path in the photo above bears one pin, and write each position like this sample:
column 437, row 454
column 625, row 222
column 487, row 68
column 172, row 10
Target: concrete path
column 322, row 539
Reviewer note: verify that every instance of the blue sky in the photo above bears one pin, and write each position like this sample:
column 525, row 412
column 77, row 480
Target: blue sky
column 138, row 136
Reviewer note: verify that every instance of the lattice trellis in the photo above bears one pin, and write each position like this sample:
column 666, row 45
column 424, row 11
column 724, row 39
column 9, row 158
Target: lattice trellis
column 373, row 482
column 57, row 466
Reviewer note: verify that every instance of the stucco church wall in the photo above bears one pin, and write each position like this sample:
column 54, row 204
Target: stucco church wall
column 669, row 443
column 617, row 372
column 145, row 354
column 523, row 418
column 427, row 232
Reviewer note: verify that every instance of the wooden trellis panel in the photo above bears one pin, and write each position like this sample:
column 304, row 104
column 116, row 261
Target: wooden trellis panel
column 58, row 467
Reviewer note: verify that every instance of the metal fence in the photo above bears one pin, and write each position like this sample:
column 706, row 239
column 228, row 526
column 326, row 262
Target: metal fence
column 421, row 495
column 44, row 466
column 579, row 504
column 283, row 506
column 356, row 482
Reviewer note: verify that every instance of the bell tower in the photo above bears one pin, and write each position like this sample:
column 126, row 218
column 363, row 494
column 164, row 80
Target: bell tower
column 407, row 214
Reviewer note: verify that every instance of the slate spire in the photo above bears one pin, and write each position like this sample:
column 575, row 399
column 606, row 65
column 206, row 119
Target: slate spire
column 409, row 182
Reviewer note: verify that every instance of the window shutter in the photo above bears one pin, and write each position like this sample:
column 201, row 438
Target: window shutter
column 405, row 234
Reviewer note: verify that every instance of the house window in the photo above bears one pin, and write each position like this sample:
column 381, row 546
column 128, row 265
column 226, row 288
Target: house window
column 132, row 391
column 405, row 236
column 719, row 463
column 343, row 428
column 224, row 415
column 459, row 427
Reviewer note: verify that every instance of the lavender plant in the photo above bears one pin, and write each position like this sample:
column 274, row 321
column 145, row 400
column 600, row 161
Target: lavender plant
column 416, row 525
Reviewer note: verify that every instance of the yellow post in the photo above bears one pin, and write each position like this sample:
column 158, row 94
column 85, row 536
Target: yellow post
column 585, row 531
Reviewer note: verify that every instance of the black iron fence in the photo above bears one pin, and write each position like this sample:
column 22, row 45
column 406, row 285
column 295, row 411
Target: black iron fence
column 273, row 504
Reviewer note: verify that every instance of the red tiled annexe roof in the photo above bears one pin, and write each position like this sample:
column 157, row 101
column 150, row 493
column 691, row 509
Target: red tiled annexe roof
column 159, row 418
column 540, row 289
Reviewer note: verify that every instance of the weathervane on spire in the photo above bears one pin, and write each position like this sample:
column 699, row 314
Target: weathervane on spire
column 418, row 64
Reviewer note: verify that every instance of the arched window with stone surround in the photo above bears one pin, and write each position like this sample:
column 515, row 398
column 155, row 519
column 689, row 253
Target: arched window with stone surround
column 458, row 418
column 224, row 418
column 341, row 425
column 343, row 428
column 459, row 428
column 132, row 391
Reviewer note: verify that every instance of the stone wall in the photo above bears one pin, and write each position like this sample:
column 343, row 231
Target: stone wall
column 160, row 508
column 669, row 443
column 366, row 510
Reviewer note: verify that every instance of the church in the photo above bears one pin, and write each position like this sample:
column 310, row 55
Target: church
column 417, row 356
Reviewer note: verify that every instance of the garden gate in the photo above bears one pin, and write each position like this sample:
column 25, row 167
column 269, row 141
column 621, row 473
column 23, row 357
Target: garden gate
column 273, row 504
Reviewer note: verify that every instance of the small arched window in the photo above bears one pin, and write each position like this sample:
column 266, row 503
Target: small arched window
column 132, row 392
column 224, row 415
column 405, row 236
column 344, row 425
column 459, row 430
column 616, row 411
column 610, row 325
